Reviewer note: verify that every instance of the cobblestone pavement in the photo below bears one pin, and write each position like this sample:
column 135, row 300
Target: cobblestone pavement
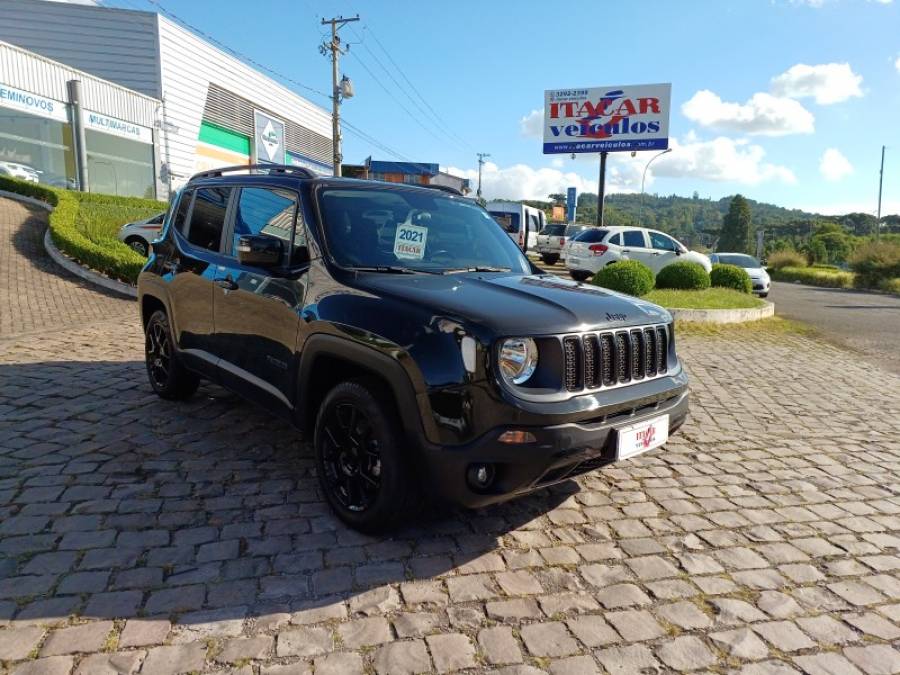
column 138, row 535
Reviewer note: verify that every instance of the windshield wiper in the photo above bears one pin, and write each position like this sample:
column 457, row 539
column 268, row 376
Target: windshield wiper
column 480, row 268
column 392, row 269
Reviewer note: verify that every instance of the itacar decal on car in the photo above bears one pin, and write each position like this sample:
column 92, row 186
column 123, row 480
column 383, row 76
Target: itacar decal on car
column 409, row 242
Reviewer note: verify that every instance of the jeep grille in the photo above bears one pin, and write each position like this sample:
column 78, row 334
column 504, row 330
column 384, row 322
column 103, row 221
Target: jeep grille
column 614, row 358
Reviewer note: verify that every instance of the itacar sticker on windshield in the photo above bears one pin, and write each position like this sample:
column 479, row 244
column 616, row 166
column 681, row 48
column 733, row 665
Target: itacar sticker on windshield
column 409, row 242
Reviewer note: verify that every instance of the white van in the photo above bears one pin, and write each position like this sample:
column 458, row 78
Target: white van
column 522, row 223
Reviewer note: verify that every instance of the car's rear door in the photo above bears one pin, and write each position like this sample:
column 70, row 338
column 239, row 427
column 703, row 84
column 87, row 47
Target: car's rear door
column 190, row 268
column 257, row 310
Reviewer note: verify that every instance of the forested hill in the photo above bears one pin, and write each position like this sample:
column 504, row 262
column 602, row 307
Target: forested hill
column 695, row 220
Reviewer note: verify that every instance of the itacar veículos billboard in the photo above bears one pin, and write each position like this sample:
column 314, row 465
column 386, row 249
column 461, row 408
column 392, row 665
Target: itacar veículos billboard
column 611, row 119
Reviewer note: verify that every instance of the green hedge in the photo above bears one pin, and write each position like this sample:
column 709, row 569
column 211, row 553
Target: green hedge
column 626, row 276
column 689, row 276
column 875, row 263
column 84, row 225
column 731, row 276
column 813, row 277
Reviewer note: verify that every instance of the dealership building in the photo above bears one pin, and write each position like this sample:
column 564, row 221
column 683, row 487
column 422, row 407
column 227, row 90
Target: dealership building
column 154, row 102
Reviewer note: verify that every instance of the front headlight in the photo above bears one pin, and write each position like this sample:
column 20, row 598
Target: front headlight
column 518, row 359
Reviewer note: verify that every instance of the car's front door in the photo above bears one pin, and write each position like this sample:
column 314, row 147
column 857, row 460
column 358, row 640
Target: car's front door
column 256, row 310
column 665, row 250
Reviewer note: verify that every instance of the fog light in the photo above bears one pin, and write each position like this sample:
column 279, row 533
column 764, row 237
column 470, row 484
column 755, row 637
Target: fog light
column 480, row 476
column 517, row 437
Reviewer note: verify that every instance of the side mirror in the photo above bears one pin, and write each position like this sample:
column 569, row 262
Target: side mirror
column 258, row 250
column 678, row 251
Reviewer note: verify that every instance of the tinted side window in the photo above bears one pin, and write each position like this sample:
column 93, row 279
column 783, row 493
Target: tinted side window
column 267, row 211
column 616, row 239
column 208, row 217
column 184, row 205
column 592, row 236
column 661, row 242
column 633, row 238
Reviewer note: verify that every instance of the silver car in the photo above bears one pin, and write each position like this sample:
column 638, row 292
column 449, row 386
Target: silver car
column 139, row 234
column 758, row 275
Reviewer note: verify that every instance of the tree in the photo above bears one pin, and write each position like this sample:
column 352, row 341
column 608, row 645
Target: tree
column 737, row 227
column 557, row 197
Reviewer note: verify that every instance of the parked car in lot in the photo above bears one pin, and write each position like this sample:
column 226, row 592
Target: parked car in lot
column 138, row 235
column 758, row 275
column 431, row 359
column 520, row 221
column 595, row 248
column 20, row 171
column 551, row 241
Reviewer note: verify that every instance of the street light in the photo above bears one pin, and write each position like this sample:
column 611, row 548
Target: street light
column 643, row 178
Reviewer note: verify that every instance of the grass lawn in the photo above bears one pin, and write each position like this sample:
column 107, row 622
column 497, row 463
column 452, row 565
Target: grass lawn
column 710, row 298
column 101, row 222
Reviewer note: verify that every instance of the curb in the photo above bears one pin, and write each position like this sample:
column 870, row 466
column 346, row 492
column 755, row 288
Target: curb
column 724, row 315
column 92, row 277
column 67, row 263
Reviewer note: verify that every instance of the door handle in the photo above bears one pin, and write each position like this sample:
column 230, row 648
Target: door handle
column 227, row 283
column 626, row 250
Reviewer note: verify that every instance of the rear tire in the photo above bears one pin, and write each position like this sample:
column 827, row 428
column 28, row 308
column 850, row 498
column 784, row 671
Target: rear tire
column 764, row 295
column 579, row 276
column 363, row 470
column 168, row 377
column 550, row 259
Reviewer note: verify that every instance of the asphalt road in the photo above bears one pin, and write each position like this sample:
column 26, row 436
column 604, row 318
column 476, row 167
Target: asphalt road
column 866, row 322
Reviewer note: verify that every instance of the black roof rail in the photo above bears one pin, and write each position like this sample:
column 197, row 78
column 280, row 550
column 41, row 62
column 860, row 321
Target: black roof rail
column 446, row 188
column 255, row 169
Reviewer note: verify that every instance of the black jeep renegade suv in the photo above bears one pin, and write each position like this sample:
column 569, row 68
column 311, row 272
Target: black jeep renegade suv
column 402, row 329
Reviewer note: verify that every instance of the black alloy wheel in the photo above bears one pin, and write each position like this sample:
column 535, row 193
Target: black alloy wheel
column 351, row 456
column 167, row 376
column 138, row 246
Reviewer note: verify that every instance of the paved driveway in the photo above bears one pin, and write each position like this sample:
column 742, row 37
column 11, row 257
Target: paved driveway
column 867, row 322
column 142, row 535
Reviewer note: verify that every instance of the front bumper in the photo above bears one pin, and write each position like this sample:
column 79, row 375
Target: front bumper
column 560, row 452
column 761, row 285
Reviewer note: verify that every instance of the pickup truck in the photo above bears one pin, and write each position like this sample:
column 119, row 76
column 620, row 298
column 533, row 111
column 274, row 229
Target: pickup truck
column 552, row 239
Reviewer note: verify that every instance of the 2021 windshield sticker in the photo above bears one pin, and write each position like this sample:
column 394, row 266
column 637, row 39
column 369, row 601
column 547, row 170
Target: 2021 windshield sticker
column 409, row 242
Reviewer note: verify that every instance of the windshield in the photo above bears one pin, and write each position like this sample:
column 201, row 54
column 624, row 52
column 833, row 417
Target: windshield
column 736, row 259
column 414, row 230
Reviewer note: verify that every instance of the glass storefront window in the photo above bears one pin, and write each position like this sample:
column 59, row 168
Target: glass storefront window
column 118, row 166
column 36, row 149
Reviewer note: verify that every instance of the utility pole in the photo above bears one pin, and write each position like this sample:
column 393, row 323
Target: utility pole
column 335, row 48
column 880, row 184
column 481, row 156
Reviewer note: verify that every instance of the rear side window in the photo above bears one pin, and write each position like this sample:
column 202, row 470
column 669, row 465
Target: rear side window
column 184, row 206
column 616, row 239
column 634, row 238
column 267, row 211
column 592, row 236
column 208, row 217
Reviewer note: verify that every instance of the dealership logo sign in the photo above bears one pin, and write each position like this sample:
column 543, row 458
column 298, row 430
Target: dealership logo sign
column 25, row 101
column 268, row 135
column 270, row 141
column 597, row 119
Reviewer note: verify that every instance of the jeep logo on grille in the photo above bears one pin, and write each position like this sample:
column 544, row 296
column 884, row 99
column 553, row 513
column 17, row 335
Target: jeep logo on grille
column 615, row 317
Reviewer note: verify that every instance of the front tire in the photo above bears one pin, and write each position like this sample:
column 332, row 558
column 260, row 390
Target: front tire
column 764, row 295
column 578, row 275
column 362, row 469
column 168, row 377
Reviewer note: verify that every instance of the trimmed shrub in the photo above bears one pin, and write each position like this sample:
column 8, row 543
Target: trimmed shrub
column 631, row 277
column 688, row 276
column 731, row 276
column 83, row 226
column 786, row 258
column 875, row 263
column 890, row 286
column 814, row 277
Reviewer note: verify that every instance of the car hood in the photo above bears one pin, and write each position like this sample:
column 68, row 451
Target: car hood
column 756, row 272
column 515, row 304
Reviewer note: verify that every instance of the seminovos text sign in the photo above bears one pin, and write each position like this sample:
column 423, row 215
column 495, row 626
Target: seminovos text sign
column 633, row 117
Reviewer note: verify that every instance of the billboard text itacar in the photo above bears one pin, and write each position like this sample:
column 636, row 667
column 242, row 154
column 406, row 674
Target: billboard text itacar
column 598, row 119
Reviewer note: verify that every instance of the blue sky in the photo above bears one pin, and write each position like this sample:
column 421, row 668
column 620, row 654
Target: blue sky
column 783, row 101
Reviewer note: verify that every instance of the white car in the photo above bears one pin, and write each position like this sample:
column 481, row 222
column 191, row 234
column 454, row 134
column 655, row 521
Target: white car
column 20, row 171
column 758, row 275
column 595, row 248
column 139, row 234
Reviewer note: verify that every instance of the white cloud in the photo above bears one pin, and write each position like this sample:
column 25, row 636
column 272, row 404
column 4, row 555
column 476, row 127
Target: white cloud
column 833, row 165
column 827, row 82
column 721, row 159
column 763, row 114
column 532, row 125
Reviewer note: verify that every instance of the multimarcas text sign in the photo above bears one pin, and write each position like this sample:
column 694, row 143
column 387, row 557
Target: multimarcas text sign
column 607, row 119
